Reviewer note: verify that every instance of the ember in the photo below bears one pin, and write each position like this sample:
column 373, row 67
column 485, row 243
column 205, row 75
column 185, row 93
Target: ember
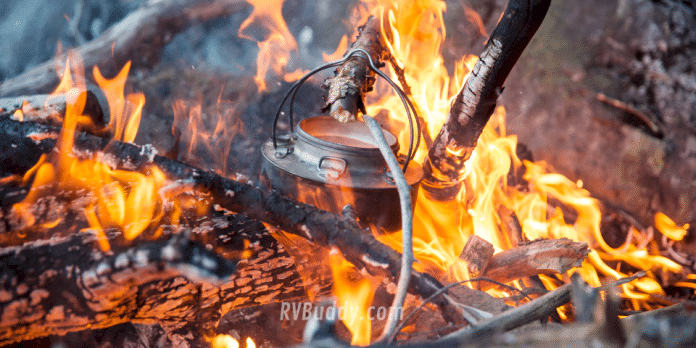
column 171, row 244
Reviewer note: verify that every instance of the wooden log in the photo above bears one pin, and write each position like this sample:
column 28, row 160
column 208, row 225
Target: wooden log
column 477, row 253
column 541, row 256
column 139, row 37
column 50, row 109
column 355, row 243
column 475, row 103
column 353, row 79
column 66, row 284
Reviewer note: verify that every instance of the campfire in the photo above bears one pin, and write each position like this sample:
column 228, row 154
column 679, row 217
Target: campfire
column 392, row 206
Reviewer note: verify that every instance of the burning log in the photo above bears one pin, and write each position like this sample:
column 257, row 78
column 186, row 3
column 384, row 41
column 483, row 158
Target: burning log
column 318, row 226
column 541, row 256
column 354, row 79
column 475, row 103
column 44, row 108
column 65, row 284
column 477, row 253
column 143, row 33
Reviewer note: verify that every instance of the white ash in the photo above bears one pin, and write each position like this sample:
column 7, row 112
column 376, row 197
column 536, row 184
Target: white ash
column 374, row 263
column 305, row 230
column 149, row 151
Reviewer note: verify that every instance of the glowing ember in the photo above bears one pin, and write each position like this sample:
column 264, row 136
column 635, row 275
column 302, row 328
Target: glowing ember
column 227, row 341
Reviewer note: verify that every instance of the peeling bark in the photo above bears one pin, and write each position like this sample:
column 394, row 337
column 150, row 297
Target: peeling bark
column 354, row 79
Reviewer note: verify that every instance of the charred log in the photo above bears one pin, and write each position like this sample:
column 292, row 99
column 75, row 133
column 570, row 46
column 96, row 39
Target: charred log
column 318, row 226
column 475, row 103
column 50, row 109
column 143, row 34
column 51, row 287
column 354, row 78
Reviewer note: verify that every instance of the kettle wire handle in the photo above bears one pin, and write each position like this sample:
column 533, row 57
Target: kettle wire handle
column 411, row 112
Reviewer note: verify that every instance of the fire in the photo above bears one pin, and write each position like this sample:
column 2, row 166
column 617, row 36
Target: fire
column 227, row 341
column 125, row 111
column 276, row 43
column 414, row 32
column 354, row 295
column 117, row 198
column 207, row 135
column 670, row 229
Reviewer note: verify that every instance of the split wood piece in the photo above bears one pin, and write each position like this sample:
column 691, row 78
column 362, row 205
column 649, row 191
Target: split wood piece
column 541, row 256
column 356, row 244
column 50, row 109
column 61, row 285
column 475, row 103
column 510, row 226
column 139, row 37
column 477, row 253
column 353, row 79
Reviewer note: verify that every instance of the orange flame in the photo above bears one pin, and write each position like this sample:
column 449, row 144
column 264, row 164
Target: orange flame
column 227, row 341
column 414, row 32
column 354, row 294
column 125, row 111
column 207, row 135
column 117, row 198
column 670, row 229
column 276, row 43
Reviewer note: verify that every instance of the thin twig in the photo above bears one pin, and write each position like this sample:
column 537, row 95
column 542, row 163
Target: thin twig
column 653, row 125
column 406, row 223
column 534, row 310
column 445, row 288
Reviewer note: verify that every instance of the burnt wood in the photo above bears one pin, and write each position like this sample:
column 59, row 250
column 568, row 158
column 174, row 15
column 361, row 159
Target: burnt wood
column 50, row 109
column 477, row 99
column 353, row 79
column 66, row 284
column 356, row 244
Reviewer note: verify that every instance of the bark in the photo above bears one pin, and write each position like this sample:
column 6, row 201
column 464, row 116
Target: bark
column 354, row 79
column 66, row 284
column 140, row 37
column 475, row 103
column 357, row 244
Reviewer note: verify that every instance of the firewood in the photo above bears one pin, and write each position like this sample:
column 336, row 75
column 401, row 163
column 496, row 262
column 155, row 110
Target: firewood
column 477, row 99
column 353, row 79
column 44, row 108
column 140, row 37
column 65, row 284
column 356, row 244
column 541, row 256
column 477, row 253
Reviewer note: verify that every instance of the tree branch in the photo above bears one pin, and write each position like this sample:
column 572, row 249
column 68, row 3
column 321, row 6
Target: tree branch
column 475, row 103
